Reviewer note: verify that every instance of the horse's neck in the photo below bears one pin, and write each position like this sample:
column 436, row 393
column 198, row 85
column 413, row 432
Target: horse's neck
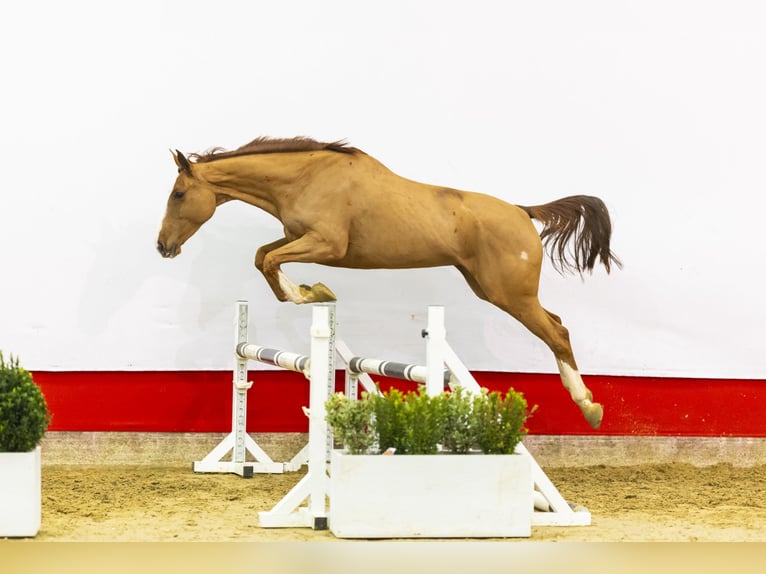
column 263, row 180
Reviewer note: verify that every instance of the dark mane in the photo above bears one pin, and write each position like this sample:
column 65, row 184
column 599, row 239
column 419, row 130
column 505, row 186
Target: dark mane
column 274, row 145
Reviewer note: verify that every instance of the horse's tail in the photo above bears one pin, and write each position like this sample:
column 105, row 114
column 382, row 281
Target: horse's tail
column 585, row 221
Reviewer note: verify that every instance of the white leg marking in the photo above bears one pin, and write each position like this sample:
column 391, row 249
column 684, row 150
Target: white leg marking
column 573, row 382
column 290, row 289
column 593, row 412
column 524, row 255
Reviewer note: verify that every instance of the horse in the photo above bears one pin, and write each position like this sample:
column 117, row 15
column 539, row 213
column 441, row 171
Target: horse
column 343, row 208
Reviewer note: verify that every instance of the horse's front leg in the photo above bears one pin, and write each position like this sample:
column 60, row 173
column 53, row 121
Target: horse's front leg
column 271, row 279
column 309, row 248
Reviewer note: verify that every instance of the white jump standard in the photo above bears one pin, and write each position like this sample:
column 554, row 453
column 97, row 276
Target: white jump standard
column 238, row 441
column 313, row 487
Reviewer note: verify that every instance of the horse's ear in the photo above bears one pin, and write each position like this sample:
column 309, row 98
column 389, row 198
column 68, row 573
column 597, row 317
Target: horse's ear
column 181, row 161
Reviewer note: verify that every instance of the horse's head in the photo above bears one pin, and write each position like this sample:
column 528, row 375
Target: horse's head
column 191, row 203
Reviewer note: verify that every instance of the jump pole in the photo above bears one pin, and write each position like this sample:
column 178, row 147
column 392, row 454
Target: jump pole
column 436, row 374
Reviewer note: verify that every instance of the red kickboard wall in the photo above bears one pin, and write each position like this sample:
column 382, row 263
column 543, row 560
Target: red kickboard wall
column 200, row 401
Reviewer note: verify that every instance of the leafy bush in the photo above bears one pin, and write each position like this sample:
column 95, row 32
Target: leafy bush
column 459, row 434
column 411, row 423
column 390, row 420
column 499, row 421
column 24, row 415
column 351, row 422
column 416, row 423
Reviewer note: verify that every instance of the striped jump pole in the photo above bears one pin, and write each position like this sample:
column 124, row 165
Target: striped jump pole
column 434, row 375
column 402, row 371
column 283, row 359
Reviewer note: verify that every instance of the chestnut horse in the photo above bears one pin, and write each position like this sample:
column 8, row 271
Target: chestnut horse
column 343, row 208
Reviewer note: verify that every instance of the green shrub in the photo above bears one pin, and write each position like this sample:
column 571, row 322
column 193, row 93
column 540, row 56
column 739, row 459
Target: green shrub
column 416, row 423
column 24, row 415
column 499, row 421
column 459, row 434
column 351, row 422
column 423, row 422
column 390, row 420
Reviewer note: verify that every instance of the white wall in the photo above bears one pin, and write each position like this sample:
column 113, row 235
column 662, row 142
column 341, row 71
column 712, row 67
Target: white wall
column 656, row 107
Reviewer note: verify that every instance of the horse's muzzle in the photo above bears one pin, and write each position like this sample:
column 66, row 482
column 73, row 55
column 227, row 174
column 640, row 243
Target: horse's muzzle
column 168, row 252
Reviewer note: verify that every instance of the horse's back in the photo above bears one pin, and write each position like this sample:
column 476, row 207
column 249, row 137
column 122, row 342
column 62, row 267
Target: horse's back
column 394, row 222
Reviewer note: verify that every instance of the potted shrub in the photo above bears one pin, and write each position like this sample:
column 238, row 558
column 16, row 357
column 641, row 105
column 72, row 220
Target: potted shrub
column 352, row 421
column 453, row 472
column 24, row 418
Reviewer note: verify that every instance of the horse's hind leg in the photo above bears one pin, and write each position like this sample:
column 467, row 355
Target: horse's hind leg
column 557, row 319
column 548, row 327
column 522, row 304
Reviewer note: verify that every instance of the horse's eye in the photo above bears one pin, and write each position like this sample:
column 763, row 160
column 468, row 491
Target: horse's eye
column 178, row 194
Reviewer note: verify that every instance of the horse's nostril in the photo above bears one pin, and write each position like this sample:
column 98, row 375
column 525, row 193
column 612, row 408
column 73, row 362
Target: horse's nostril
column 168, row 251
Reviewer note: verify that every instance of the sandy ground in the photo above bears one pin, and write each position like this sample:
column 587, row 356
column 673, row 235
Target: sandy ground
column 650, row 502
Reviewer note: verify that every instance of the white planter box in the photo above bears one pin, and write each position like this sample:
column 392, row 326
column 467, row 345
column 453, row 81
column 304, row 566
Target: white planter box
column 20, row 493
column 430, row 496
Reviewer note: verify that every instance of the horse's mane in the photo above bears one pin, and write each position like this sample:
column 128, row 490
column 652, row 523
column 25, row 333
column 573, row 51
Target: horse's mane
column 274, row 145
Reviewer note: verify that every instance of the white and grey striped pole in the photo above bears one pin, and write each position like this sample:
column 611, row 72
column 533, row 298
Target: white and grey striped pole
column 284, row 359
column 403, row 371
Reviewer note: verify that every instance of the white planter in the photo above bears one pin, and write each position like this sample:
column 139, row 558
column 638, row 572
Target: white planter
column 430, row 496
column 20, row 493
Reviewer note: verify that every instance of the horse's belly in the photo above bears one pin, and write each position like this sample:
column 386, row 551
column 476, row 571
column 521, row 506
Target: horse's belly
column 397, row 251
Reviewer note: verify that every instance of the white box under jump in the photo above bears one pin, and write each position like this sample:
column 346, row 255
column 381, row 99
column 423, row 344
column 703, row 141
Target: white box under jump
column 430, row 496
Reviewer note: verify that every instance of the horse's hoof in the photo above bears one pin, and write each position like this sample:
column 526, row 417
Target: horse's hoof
column 317, row 293
column 593, row 413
